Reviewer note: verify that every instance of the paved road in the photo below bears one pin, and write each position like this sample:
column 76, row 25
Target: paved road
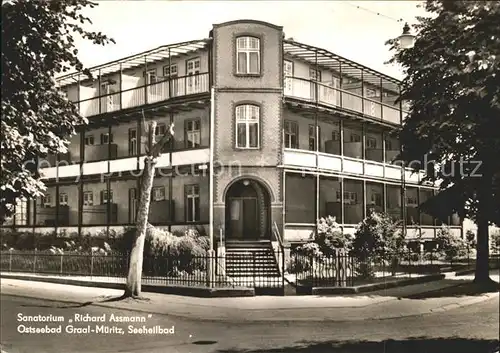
column 476, row 326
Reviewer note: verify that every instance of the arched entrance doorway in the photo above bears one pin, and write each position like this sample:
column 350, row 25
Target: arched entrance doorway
column 248, row 212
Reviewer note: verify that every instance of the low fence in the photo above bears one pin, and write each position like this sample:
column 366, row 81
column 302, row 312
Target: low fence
column 161, row 270
column 341, row 269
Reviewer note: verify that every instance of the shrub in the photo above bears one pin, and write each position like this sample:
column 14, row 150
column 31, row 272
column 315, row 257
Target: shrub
column 450, row 246
column 495, row 242
column 376, row 237
column 310, row 249
column 326, row 241
column 182, row 253
column 330, row 236
column 470, row 237
column 298, row 264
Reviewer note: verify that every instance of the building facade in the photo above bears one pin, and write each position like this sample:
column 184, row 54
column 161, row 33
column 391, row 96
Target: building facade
column 270, row 134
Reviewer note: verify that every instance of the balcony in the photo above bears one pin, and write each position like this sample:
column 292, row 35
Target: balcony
column 134, row 93
column 307, row 90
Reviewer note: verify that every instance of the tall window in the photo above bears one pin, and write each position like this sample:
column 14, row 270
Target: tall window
column 132, row 205
column 353, row 201
column 315, row 75
column 158, row 193
column 21, row 212
column 106, row 138
column 63, row 199
column 106, row 197
column 89, row 140
column 192, row 202
column 192, row 129
column 46, row 201
column 247, row 126
column 160, row 131
column 291, row 134
column 248, row 55
column 170, row 71
column 88, row 198
column 132, row 142
column 312, row 137
column 150, row 76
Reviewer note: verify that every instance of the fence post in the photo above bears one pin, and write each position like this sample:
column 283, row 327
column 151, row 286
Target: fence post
column 61, row 264
column 91, row 262
column 210, row 265
column 34, row 262
column 253, row 268
column 409, row 263
column 10, row 260
column 468, row 255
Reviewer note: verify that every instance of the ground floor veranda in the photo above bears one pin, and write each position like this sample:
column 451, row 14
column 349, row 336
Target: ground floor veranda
column 245, row 205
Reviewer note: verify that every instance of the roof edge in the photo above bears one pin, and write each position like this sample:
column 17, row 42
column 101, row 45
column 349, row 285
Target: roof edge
column 217, row 25
column 117, row 61
column 364, row 67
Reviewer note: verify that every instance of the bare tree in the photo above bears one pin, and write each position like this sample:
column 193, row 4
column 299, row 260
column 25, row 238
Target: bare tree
column 133, row 286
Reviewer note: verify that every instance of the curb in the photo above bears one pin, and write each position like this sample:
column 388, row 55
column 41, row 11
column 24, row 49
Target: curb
column 200, row 292
column 471, row 301
column 375, row 286
column 243, row 319
column 471, row 271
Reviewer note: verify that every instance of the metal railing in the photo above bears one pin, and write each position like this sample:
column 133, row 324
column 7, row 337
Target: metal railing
column 279, row 251
column 341, row 269
column 305, row 89
column 145, row 94
column 158, row 270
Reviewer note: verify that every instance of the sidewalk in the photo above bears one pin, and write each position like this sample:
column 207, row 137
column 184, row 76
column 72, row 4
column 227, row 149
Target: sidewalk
column 391, row 303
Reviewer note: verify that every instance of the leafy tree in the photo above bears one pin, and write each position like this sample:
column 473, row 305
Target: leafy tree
column 38, row 43
column 452, row 86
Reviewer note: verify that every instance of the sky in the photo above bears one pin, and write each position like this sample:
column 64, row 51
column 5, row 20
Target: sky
column 358, row 34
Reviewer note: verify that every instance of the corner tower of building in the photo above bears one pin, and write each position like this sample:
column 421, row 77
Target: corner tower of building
column 248, row 86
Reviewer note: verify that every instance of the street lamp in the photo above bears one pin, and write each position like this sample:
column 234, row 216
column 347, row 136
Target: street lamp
column 406, row 39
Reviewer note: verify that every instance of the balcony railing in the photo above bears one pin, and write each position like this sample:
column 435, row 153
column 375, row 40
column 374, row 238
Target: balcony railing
column 144, row 94
column 306, row 90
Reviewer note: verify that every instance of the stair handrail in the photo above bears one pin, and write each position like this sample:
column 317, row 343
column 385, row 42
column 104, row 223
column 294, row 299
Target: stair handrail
column 277, row 235
column 280, row 261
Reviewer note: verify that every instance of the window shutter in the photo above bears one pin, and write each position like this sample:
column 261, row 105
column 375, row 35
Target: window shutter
column 102, row 197
column 102, row 139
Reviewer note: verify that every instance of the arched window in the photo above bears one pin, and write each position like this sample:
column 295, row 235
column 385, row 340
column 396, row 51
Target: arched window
column 247, row 126
column 248, row 55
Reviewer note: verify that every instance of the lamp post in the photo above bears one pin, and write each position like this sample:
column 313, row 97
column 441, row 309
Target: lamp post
column 406, row 39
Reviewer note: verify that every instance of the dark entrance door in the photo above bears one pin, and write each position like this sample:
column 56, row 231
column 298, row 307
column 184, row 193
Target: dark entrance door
column 243, row 221
column 246, row 211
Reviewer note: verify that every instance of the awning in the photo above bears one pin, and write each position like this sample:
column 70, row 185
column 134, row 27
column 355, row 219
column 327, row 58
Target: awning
column 340, row 64
column 150, row 56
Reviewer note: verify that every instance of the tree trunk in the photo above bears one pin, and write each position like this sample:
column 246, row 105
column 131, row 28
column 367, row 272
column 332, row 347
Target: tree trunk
column 482, row 274
column 133, row 287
